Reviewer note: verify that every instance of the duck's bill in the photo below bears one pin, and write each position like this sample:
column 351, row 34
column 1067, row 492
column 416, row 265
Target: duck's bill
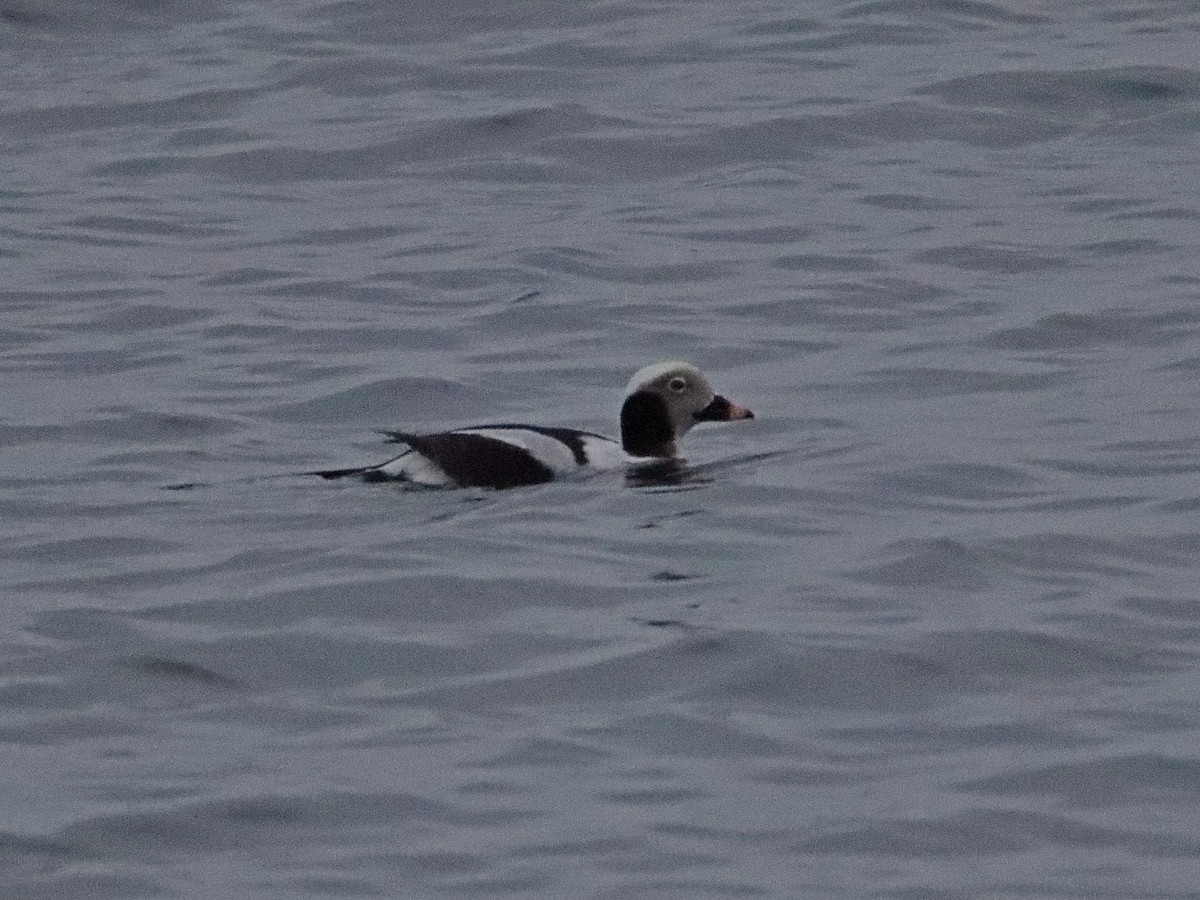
column 722, row 410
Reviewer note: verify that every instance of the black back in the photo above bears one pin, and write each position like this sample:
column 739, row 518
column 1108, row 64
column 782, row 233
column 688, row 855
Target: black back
column 572, row 438
column 475, row 460
column 646, row 426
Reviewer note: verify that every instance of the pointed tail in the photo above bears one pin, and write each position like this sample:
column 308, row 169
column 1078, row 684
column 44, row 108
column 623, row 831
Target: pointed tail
column 368, row 473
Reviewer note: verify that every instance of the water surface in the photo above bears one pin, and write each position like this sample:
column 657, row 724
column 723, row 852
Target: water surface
column 927, row 627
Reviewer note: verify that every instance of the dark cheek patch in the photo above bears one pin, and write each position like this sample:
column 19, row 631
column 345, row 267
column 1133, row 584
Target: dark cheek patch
column 646, row 425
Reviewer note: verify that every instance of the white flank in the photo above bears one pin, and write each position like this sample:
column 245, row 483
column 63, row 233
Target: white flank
column 605, row 454
column 412, row 466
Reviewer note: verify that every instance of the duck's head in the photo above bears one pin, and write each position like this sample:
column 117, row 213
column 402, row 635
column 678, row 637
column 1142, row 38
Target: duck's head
column 663, row 402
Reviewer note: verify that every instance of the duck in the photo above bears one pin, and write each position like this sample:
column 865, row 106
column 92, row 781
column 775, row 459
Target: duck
column 663, row 402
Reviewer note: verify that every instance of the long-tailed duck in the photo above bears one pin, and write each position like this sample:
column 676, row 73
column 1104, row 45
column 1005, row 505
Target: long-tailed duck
column 662, row 403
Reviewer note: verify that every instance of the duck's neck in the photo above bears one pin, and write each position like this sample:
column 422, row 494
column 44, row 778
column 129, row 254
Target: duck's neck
column 646, row 426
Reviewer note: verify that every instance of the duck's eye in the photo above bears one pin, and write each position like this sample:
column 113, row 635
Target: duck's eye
column 678, row 385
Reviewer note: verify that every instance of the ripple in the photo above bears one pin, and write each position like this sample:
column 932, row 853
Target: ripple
column 934, row 382
column 1116, row 92
column 1133, row 778
column 988, row 832
column 1070, row 331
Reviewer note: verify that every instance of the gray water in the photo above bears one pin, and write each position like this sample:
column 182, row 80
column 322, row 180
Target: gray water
column 927, row 628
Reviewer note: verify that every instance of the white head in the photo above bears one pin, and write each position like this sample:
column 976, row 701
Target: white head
column 663, row 402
